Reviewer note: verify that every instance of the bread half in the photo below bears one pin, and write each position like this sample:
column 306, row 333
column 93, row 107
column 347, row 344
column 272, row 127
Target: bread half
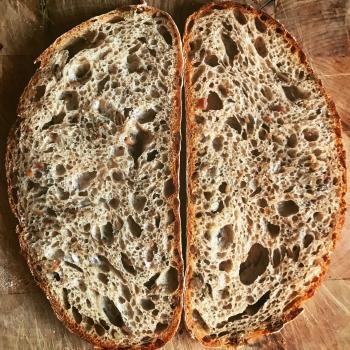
column 266, row 175
column 92, row 168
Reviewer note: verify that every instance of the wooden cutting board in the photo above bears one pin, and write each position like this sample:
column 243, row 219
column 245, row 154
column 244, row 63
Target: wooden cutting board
column 26, row 28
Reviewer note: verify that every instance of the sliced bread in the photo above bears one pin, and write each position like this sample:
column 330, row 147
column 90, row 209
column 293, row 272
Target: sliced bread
column 266, row 175
column 92, row 168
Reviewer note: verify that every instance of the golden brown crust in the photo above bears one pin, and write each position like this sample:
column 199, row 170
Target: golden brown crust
column 295, row 308
column 12, row 141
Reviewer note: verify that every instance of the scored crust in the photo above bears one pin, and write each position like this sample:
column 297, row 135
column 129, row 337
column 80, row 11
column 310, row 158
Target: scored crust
column 175, row 119
column 193, row 132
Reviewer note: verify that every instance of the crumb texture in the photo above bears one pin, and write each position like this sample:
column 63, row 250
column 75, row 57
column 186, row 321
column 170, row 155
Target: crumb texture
column 265, row 176
column 93, row 177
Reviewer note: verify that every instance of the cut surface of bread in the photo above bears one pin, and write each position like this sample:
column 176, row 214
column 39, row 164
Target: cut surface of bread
column 92, row 170
column 266, row 175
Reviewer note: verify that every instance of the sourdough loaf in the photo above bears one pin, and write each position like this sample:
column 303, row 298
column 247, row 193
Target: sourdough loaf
column 266, row 175
column 92, row 168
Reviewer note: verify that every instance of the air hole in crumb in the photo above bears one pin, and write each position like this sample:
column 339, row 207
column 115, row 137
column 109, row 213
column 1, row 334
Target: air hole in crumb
column 111, row 311
column 138, row 143
column 267, row 93
column 310, row 134
column 76, row 45
column 308, row 240
column 101, row 84
column 96, row 233
column 117, row 176
column 230, row 47
column 151, row 282
column 154, row 94
column 147, row 304
column 294, row 93
column 170, row 217
column 99, row 330
column 241, row 19
column 152, row 155
column 223, row 90
column 138, row 203
column 295, row 252
column 103, row 278
column 151, row 252
column 104, row 324
column 197, row 73
column 195, row 45
column 157, row 220
column 39, row 92
column 224, row 293
column 217, row 207
column 169, row 280
column 318, row 216
column 262, row 134
column 169, row 188
column 254, row 308
column 134, row 48
column 260, row 26
column 70, row 99
column 225, row 237
column 273, row 230
column 114, row 203
column 81, row 71
column 255, row 264
column 292, row 141
column 134, row 227
column 152, row 52
column 282, row 76
column 74, row 266
column 211, row 60
column 107, row 233
column 76, row 314
column 214, row 102
column 146, row 116
column 234, row 124
column 207, row 195
column 127, row 264
column 198, row 319
column 134, row 63
column 262, row 202
column 161, row 327
column 115, row 19
column 57, row 119
column 276, row 258
column 164, row 32
column 85, row 179
column 287, row 208
column 260, row 46
column 227, row 26
column 196, row 281
column 126, row 292
column 60, row 169
column 223, row 187
column 218, row 143
column 226, row 265
column 82, row 286
column 65, row 299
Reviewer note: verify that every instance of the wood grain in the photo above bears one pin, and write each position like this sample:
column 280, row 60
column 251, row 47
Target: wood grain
column 26, row 28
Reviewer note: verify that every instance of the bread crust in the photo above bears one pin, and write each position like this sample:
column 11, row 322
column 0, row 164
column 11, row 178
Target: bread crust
column 12, row 141
column 191, row 130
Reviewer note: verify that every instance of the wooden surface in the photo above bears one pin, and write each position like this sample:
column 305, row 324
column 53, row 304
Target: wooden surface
column 28, row 26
